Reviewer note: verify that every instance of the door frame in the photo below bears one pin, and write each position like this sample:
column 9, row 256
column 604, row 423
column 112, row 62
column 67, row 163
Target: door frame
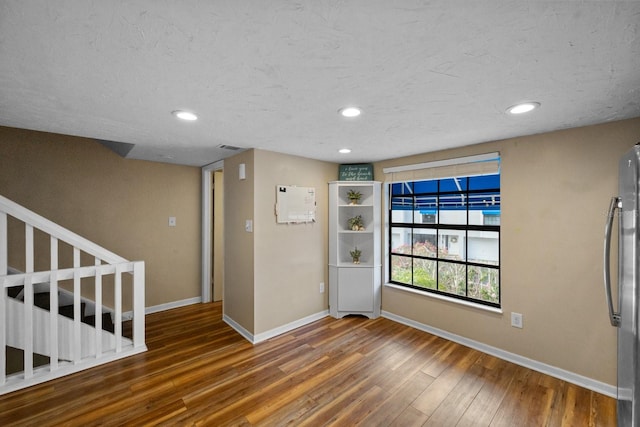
column 207, row 224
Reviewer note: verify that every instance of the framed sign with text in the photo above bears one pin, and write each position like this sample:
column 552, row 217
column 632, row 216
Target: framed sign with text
column 356, row 172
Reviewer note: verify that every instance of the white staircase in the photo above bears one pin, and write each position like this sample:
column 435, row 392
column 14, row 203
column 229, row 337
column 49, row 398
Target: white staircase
column 70, row 343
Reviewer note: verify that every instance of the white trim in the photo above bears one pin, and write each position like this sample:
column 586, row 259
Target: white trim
column 263, row 336
column 239, row 329
column 440, row 163
column 444, row 298
column 207, row 216
column 127, row 315
column 174, row 304
column 571, row 377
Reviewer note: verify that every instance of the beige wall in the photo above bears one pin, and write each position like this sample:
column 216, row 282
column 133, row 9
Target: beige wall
column 272, row 275
column 217, row 254
column 238, row 244
column 555, row 191
column 556, row 188
column 290, row 259
column 122, row 205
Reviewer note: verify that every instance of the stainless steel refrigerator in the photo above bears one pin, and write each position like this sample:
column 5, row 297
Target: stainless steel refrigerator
column 624, row 314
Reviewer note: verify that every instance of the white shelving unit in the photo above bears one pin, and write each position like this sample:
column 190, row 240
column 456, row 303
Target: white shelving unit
column 354, row 288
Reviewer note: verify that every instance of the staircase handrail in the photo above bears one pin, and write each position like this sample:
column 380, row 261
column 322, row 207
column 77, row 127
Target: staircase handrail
column 37, row 221
column 28, row 330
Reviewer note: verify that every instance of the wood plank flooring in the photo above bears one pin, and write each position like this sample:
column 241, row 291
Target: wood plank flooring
column 347, row 372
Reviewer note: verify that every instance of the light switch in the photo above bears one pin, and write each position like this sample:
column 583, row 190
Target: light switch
column 248, row 226
column 172, row 221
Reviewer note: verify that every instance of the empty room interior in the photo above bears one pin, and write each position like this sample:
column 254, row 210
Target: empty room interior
column 311, row 212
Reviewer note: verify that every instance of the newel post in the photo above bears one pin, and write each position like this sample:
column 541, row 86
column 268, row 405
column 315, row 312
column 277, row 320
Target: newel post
column 138, row 304
column 3, row 294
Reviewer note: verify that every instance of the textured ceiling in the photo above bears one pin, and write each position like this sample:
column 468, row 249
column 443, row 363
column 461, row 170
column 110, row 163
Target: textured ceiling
column 272, row 74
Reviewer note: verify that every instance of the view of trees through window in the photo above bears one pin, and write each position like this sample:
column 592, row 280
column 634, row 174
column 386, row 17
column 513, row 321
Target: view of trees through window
column 445, row 237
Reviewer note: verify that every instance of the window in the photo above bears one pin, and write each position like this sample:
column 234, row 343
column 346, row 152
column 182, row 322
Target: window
column 444, row 236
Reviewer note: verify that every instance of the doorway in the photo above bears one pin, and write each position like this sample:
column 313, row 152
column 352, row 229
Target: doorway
column 212, row 277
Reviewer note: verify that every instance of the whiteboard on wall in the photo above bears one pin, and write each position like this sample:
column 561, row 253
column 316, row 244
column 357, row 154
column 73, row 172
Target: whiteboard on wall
column 295, row 204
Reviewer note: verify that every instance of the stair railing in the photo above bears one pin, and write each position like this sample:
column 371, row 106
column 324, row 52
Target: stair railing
column 31, row 321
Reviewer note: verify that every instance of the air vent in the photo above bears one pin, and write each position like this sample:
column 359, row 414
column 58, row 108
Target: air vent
column 229, row 147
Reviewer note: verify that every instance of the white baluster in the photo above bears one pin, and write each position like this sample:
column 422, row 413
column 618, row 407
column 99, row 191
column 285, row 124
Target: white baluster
column 77, row 339
column 76, row 257
column 4, row 266
column 28, row 327
column 53, row 319
column 98, row 323
column 118, row 307
column 3, row 294
column 3, row 330
column 28, row 248
column 28, row 302
column 54, row 253
column 53, row 303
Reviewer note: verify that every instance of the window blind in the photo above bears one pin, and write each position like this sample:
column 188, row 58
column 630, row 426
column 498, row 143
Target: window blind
column 482, row 164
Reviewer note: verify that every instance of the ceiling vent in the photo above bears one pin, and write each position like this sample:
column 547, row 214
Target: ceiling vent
column 229, row 147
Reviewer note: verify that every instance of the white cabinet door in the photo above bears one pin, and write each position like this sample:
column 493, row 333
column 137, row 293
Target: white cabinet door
column 355, row 289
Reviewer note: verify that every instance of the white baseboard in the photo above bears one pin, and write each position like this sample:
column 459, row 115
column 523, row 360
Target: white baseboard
column 128, row 315
column 571, row 377
column 239, row 329
column 173, row 304
column 263, row 336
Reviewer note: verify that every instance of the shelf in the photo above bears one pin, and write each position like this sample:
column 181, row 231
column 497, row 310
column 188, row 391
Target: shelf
column 352, row 265
column 354, row 288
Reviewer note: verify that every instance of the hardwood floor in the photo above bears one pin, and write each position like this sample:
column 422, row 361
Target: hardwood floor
column 353, row 371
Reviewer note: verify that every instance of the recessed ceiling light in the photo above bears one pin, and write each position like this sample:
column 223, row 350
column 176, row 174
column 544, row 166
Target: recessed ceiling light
column 350, row 112
column 185, row 115
column 524, row 107
column 344, row 151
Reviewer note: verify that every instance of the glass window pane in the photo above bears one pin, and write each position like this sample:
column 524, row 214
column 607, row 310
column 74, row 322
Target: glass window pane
column 452, row 278
column 451, row 244
column 453, row 184
column 425, row 210
column 424, row 242
column 491, row 218
column 484, row 247
column 401, row 240
column 400, row 188
column 482, row 205
column 401, row 269
column 424, row 273
column 421, row 187
column 453, row 209
column 401, row 209
column 485, row 182
column 484, row 283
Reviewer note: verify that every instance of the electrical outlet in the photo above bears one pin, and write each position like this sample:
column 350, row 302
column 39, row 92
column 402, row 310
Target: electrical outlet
column 516, row 320
column 172, row 221
column 321, row 287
